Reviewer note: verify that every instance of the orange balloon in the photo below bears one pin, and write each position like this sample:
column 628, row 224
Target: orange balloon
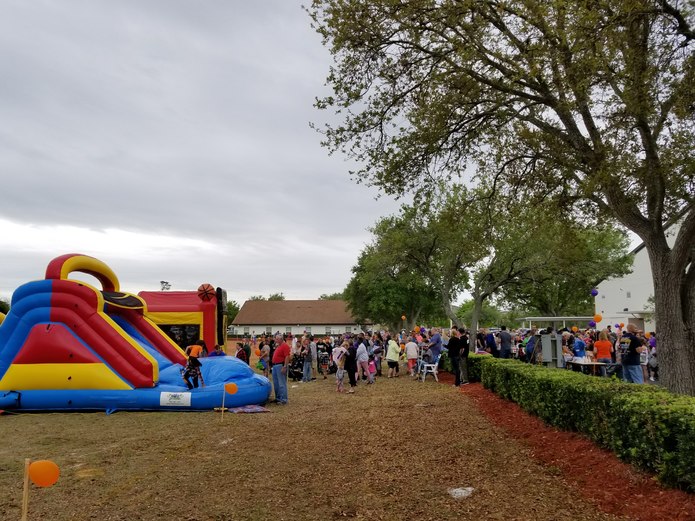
column 575, row 329
column 402, row 317
column 598, row 317
column 622, row 324
column 231, row 388
column 44, row 473
column 258, row 352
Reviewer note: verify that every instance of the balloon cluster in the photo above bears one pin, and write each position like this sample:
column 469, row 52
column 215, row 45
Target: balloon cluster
column 594, row 292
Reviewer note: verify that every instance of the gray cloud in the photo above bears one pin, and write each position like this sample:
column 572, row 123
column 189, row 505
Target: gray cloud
column 182, row 119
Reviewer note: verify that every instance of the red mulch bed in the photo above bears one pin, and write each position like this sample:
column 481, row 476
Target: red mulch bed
column 596, row 474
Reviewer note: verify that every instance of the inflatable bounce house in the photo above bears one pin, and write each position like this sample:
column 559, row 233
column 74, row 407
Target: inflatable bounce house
column 187, row 316
column 67, row 345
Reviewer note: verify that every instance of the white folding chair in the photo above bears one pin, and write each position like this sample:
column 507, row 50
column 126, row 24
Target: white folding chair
column 430, row 368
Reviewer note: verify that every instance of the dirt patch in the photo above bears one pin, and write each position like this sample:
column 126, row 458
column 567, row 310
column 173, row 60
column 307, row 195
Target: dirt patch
column 378, row 454
column 595, row 474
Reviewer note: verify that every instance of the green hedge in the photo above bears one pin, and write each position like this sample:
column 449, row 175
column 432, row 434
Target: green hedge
column 645, row 425
column 473, row 366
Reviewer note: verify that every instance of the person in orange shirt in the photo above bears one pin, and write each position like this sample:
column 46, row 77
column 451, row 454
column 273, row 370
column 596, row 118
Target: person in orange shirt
column 602, row 350
column 196, row 350
column 192, row 370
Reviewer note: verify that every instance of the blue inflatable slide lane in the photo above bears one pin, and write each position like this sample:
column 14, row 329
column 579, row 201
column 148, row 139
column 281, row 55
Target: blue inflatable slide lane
column 65, row 345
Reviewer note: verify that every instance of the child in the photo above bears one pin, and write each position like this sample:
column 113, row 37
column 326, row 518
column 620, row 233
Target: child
column 411, row 355
column 265, row 358
column 372, row 369
column 339, row 360
column 192, row 372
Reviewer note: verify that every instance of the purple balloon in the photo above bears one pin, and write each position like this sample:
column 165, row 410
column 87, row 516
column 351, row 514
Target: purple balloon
column 592, row 324
column 617, row 325
column 594, row 292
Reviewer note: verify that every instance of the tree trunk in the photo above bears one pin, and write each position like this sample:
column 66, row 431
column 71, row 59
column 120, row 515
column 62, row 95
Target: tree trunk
column 448, row 309
column 674, row 301
column 475, row 316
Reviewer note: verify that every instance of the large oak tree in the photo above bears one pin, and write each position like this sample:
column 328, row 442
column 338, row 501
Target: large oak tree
column 591, row 101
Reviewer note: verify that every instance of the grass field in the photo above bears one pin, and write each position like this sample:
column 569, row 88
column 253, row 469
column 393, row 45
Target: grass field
column 390, row 451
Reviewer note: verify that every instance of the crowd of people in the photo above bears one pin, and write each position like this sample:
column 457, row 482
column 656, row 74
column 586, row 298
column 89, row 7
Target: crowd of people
column 362, row 357
column 366, row 356
column 627, row 351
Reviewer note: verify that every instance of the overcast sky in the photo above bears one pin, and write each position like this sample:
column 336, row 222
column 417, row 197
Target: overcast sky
column 171, row 140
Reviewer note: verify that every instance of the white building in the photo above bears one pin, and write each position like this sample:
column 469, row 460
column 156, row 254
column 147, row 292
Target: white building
column 627, row 299
column 316, row 317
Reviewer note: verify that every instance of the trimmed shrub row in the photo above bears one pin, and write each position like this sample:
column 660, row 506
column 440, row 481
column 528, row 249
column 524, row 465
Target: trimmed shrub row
column 644, row 425
column 473, row 366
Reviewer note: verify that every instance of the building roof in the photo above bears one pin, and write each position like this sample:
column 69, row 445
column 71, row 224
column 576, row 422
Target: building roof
column 291, row 312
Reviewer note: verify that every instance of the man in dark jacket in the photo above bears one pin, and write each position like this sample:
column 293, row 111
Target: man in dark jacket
column 454, row 347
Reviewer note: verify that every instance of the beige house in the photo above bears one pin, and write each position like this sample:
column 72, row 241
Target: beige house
column 317, row 317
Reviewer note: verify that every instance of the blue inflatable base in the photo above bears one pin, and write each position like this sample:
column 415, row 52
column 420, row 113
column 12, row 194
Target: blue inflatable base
column 171, row 394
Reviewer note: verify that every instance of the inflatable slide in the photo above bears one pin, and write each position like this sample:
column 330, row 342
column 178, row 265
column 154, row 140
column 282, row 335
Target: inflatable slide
column 67, row 345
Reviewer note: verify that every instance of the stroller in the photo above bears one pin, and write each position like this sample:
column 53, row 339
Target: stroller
column 296, row 368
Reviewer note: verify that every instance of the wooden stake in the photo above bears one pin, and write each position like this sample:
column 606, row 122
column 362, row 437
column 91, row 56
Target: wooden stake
column 224, row 391
column 25, row 495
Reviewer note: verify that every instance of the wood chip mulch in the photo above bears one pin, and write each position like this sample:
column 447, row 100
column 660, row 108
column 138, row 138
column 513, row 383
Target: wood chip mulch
column 598, row 475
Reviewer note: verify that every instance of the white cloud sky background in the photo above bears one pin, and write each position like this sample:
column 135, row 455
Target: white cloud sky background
column 171, row 140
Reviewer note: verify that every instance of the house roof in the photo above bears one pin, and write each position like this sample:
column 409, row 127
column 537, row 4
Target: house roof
column 288, row 312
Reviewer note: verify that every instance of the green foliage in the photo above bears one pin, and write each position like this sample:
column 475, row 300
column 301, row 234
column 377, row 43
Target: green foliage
column 4, row 305
column 489, row 316
column 436, row 239
column 272, row 296
column 644, row 425
column 582, row 257
column 381, row 292
column 333, row 296
column 232, row 311
column 587, row 106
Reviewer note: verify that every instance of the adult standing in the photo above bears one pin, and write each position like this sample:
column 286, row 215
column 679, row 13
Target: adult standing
column 306, row 353
column 363, row 361
column 505, row 343
column 480, row 341
column 247, row 350
column 454, row 347
column 281, row 360
column 530, row 346
column 630, row 348
column 435, row 345
column 351, row 366
column 393, row 353
column 465, row 350
column 491, row 343
column 314, row 356
column 603, row 349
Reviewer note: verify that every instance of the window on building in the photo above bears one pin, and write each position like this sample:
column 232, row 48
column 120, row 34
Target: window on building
column 348, row 329
column 268, row 330
column 628, row 294
column 288, row 330
column 246, row 330
column 308, row 329
column 328, row 330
